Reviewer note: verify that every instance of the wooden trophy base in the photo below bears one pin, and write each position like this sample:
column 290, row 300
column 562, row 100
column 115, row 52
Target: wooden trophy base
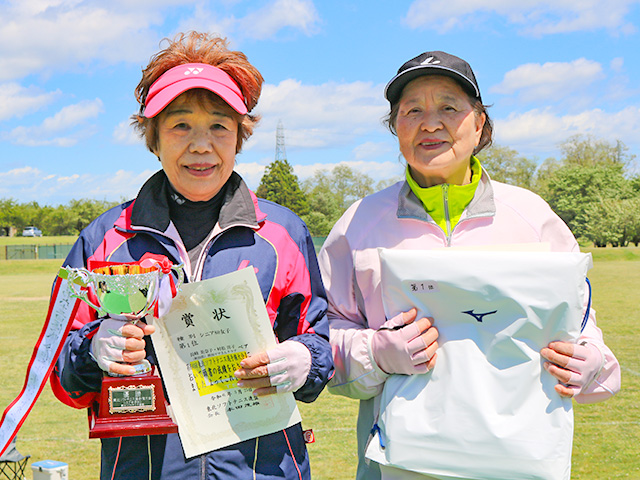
column 130, row 406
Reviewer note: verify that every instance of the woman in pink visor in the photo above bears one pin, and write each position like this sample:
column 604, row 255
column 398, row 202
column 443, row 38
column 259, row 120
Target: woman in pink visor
column 196, row 100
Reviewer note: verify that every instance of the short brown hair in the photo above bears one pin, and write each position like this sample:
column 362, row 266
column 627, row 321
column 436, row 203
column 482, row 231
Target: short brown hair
column 195, row 47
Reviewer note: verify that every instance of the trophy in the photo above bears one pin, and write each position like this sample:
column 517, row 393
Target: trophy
column 129, row 405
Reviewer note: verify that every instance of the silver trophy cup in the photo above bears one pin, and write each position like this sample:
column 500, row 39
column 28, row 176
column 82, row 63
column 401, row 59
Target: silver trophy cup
column 129, row 405
column 126, row 296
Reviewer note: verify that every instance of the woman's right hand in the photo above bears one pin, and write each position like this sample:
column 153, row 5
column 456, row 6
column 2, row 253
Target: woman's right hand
column 406, row 346
column 119, row 346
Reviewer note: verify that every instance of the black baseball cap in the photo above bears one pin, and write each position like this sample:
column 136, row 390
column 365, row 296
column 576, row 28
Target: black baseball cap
column 432, row 63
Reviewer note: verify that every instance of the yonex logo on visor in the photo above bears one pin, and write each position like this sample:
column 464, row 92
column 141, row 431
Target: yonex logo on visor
column 181, row 78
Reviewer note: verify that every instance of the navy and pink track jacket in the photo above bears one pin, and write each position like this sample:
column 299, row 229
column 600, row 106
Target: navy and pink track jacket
column 250, row 231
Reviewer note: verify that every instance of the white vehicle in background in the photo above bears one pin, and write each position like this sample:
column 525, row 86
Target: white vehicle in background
column 31, row 232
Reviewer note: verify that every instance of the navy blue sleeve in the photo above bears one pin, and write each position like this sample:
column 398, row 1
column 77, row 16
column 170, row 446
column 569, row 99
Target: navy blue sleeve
column 79, row 373
column 318, row 341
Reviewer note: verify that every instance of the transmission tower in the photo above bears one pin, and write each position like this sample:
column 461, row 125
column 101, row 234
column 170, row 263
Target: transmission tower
column 281, row 153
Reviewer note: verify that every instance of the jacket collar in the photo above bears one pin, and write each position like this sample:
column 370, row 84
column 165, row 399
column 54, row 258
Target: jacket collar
column 482, row 204
column 150, row 209
column 240, row 205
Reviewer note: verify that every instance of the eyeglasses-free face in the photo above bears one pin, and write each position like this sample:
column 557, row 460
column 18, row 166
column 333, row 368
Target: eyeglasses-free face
column 437, row 130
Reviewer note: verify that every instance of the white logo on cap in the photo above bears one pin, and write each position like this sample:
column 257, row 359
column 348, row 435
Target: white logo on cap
column 429, row 61
column 194, row 70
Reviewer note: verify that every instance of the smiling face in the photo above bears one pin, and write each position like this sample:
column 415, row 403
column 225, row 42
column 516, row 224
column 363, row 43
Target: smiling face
column 438, row 129
column 197, row 145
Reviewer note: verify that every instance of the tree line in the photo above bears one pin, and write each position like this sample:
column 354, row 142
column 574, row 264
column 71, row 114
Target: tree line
column 593, row 187
column 67, row 219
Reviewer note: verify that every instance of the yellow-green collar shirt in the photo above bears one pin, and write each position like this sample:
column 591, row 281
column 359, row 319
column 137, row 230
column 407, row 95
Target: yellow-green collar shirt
column 445, row 203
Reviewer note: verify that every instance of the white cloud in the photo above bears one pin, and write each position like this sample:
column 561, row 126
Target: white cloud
column 46, row 36
column 534, row 17
column 251, row 172
column 53, row 189
column 67, row 118
column 72, row 115
column 260, row 23
column 541, row 130
column 617, row 64
column 318, row 116
column 18, row 177
column 17, row 101
column 206, row 18
column 376, row 170
column 549, row 81
column 37, row 7
column 124, row 134
column 371, row 149
column 268, row 20
column 123, row 184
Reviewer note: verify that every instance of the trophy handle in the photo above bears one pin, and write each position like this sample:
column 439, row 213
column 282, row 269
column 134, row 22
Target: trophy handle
column 178, row 269
column 78, row 278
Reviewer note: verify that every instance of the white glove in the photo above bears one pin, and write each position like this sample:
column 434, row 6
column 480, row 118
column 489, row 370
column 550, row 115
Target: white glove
column 289, row 365
column 108, row 345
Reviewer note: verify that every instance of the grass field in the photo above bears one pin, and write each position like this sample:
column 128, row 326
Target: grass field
column 19, row 240
column 607, row 435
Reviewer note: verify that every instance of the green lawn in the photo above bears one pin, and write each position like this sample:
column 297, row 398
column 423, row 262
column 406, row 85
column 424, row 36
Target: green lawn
column 606, row 435
column 19, row 240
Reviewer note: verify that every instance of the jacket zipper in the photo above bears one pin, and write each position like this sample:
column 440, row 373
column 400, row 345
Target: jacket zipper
column 213, row 236
column 447, row 215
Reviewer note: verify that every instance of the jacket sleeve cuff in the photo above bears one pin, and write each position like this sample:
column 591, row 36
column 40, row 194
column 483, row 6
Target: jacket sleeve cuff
column 358, row 376
column 377, row 373
column 321, row 366
column 79, row 372
column 608, row 381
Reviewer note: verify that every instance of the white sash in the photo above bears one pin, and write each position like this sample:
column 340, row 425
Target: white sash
column 62, row 310
column 488, row 410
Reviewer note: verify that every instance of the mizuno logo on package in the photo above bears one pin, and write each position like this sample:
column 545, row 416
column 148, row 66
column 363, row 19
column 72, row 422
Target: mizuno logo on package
column 479, row 316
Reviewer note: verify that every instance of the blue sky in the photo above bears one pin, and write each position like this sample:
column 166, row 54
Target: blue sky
column 549, row 68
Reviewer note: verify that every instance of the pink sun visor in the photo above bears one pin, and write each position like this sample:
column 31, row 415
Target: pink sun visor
column 184, row 77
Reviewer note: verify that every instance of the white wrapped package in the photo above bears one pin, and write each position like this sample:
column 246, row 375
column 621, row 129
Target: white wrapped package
column 488, row 410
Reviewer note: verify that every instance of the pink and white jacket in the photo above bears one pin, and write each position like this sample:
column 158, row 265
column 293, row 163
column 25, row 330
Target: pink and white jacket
column 395, row 218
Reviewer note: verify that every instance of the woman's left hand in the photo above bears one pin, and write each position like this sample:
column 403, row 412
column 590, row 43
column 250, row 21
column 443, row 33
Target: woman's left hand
column 576, row 366
column 282, row 369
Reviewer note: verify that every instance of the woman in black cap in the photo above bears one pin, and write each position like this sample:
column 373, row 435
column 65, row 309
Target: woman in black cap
column 447, row 199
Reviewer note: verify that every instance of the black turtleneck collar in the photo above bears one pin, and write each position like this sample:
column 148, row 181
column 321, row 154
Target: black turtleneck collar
column 194, row 220
column 158, row 203
column 152, row 205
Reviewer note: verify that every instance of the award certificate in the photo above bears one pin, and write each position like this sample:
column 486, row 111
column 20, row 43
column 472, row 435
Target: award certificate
column 211, row 327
